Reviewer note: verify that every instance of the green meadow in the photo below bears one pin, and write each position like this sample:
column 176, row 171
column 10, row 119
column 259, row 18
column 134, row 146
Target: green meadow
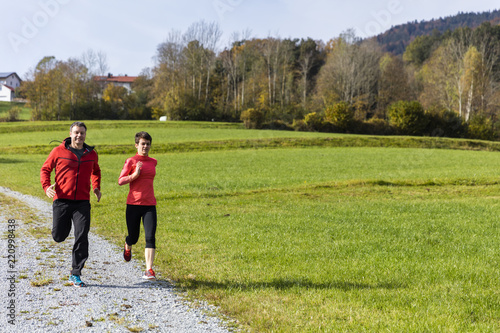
column 24, row 115
column 304, row 232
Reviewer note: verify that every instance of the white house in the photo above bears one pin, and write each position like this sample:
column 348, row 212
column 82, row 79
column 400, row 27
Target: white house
column 6, row 93
column 9, row 82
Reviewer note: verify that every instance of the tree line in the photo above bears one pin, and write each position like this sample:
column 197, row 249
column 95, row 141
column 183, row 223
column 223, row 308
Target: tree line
column 444, row 84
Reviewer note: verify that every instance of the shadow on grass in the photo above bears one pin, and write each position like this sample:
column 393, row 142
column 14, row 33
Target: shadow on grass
column 285, row 284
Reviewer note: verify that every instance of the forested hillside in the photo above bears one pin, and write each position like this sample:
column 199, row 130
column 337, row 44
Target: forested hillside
column 396, row 39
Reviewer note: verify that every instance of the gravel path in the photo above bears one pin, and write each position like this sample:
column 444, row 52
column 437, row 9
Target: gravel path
column 116, row 298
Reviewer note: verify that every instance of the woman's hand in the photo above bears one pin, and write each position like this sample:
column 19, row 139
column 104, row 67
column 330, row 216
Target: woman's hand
column 137, row 171
column 138, row 167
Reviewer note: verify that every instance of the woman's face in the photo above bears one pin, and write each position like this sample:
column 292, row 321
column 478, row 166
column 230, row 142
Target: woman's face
column 143, row 147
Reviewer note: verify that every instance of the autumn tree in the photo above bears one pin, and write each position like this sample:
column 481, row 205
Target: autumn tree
column 393, row 83
column 115, row 96
column 169, row 81
column 36, row 88
column 48, row 88
column 236, row 62
column 340, row 114
column 486, row 39
column 350, row 74
column 137, row 102
column 270, row 55
column 185, row 63
column 421, row 48
column 202, row 41
column 460, row 74
column 408, row 117
column 436, row 79
column 309, row 59
column 96, row 65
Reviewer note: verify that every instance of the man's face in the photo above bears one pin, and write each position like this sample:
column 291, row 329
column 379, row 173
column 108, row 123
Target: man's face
column 77, row 135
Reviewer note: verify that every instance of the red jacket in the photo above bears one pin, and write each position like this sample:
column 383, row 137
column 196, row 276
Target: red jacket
column 73, row 175
column 141, row 190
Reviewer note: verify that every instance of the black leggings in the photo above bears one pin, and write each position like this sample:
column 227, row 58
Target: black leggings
column 134, row 213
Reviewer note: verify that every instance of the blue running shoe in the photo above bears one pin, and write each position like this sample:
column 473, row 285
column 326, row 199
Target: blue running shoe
column 75, row 281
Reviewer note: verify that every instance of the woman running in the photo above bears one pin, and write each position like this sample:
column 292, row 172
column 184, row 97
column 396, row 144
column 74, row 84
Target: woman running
column 139, row 171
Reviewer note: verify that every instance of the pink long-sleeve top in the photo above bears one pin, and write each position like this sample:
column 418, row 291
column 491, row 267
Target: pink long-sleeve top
column 141, row 190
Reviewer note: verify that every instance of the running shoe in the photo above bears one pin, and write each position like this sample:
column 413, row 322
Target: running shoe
column 127, row 254
column 149, row 275
column 75, row 281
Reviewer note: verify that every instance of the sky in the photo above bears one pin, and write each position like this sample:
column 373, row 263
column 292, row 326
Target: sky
column 129, row 32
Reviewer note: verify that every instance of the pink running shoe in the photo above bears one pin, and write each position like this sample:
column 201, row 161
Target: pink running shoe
column 149, row 275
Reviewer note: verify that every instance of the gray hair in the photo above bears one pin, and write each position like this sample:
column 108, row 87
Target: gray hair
column 79, row 124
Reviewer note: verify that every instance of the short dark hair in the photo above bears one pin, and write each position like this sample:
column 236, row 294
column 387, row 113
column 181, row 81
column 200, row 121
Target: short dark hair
column 79, row 124
column 143, row 135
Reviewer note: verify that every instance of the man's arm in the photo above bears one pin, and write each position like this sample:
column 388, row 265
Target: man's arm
column 45, row 173
column 96, row 179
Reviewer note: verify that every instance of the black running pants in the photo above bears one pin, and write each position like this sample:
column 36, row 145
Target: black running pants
column 64, row 213
column 134, row 214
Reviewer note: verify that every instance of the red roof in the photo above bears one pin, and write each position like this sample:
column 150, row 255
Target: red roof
column 111, row 78
column 13, row 89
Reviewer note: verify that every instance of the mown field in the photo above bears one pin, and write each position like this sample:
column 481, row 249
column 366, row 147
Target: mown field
column 305, row 232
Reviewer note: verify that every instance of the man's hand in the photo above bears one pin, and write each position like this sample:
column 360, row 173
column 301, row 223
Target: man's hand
column 50, row 191
column 98, row 194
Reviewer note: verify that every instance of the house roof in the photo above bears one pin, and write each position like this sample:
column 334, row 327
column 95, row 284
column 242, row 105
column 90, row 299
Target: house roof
column 111, row 78
column 9, row 87
column 7, row 74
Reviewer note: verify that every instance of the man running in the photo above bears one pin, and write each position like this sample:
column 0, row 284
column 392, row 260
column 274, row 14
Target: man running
column 76, row 166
